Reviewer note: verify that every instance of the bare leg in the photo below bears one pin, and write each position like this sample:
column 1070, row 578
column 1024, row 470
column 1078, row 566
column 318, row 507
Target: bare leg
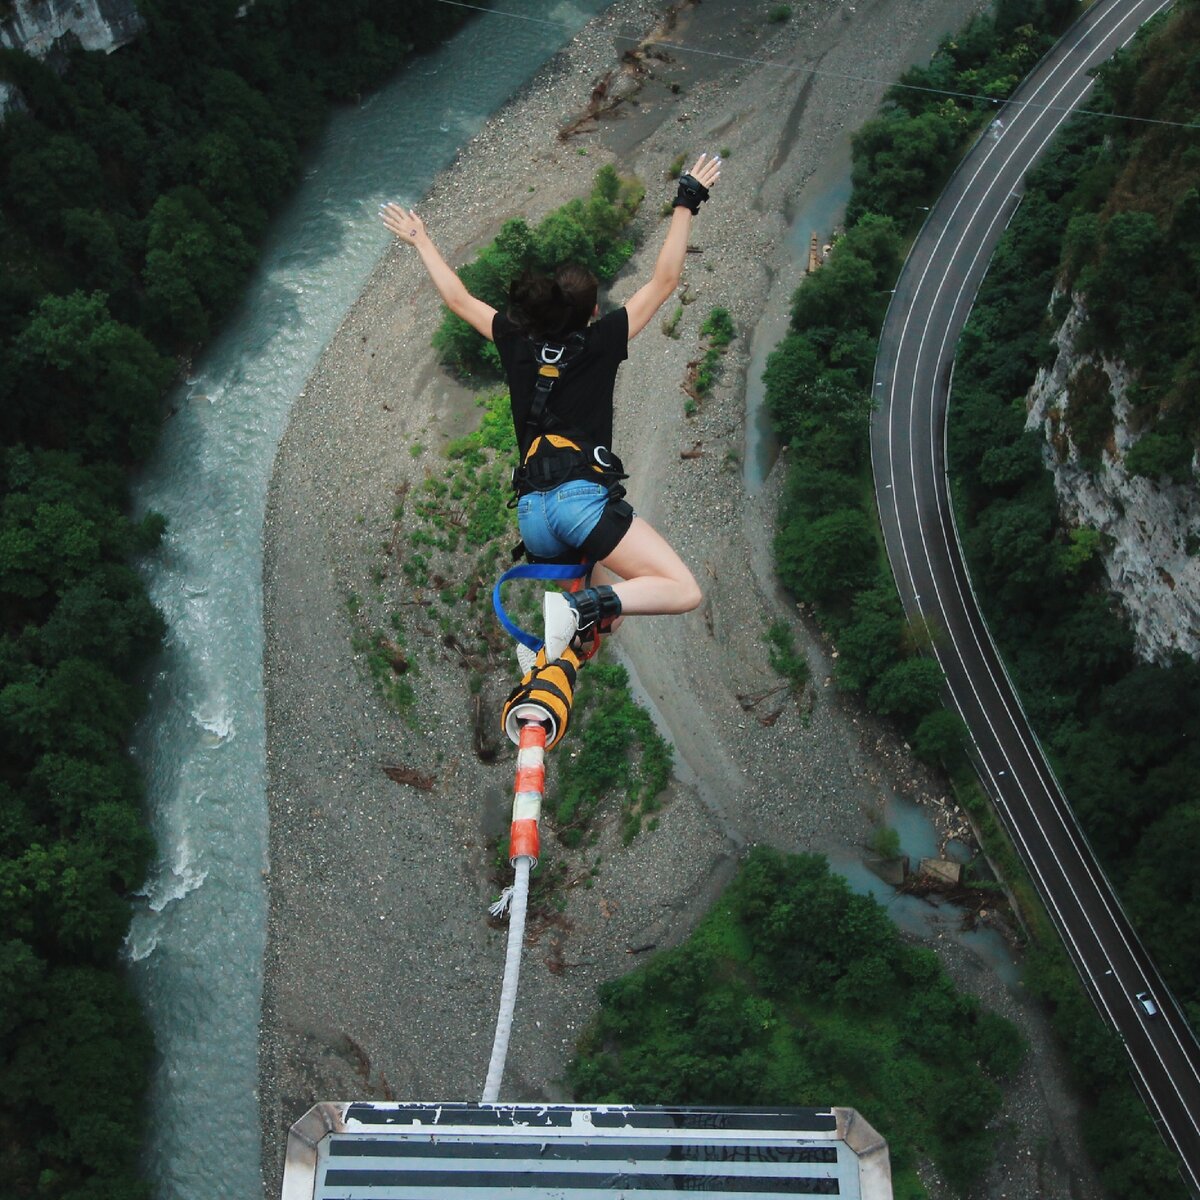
column 649, row 578
column 652, row 578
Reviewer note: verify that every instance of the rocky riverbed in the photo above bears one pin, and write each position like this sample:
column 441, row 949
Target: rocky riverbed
column 382, row 970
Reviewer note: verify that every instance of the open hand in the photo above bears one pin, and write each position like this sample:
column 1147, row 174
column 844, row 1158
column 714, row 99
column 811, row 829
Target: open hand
column 707, row 170
column 404, row 223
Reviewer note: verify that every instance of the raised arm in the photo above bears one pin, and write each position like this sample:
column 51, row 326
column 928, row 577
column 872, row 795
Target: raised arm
column 668, row 270
column 410, row 229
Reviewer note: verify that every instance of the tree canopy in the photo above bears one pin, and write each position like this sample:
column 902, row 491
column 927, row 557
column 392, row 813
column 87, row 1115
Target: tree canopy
column 796, row 991
column 134, row 188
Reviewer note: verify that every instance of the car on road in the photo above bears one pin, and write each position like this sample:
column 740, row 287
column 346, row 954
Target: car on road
column 1149, row 1007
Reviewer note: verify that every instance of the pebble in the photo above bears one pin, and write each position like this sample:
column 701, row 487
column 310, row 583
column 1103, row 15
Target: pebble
column 350, row 1010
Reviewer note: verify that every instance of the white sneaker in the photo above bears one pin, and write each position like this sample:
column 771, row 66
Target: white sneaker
column 526, row 658
column 562, row 624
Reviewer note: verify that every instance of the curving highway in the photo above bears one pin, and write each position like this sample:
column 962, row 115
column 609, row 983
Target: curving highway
column 928, row 310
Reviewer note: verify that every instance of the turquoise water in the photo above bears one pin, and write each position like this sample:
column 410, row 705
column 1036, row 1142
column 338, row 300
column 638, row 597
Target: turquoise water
column 931, row 919
column 196, row 943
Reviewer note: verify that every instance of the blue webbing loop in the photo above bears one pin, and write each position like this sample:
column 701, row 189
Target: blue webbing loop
column 549, row 571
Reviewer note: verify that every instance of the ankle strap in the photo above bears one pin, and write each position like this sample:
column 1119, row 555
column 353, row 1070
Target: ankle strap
column 597, row 606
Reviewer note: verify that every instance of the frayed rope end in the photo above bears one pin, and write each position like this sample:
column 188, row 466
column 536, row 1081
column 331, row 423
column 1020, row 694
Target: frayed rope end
column 501, row 906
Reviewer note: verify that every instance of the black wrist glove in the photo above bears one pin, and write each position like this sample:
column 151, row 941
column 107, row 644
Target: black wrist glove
column 691, row 194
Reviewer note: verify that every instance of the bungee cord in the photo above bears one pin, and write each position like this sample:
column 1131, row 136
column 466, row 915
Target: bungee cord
column 537, row 711
column 793, row 69
column 523, row 851
column 535, row 717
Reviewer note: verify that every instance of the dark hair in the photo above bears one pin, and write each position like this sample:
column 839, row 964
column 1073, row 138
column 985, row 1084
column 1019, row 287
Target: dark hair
column 546, row 306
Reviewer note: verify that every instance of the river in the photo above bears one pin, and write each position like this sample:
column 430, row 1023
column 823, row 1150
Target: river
column 195, row 946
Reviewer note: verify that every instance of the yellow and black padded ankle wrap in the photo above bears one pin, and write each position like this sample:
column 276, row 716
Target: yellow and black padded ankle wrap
column 545, row 694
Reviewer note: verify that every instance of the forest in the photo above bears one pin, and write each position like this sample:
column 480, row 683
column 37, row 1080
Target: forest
column 794, row 990
column 818, row 380
column 1110, row 215
column 134, row 188
column 1109, row 218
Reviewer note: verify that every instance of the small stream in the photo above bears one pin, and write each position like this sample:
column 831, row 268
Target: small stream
column 924, row 919
column 820, row 206
column 927, row 919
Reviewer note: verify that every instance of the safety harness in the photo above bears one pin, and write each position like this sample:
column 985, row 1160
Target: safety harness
column 565, row 573
column 552, row 458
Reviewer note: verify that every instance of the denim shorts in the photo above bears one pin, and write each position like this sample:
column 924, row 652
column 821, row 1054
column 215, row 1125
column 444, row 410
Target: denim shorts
column 556, row 522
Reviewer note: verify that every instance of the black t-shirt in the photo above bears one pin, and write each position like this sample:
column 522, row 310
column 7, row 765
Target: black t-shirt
column 581, row 402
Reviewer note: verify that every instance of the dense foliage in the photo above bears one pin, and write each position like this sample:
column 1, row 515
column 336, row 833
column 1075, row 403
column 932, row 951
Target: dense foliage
column 1109, row 213
column 1124, row 735
column 133, row 189
column 1133, row 242
column 589, row 232
column 818, row 380
column 903, row 156
column 796, row 991
column 1112, row 211
column 615, row 751
column 827, row 551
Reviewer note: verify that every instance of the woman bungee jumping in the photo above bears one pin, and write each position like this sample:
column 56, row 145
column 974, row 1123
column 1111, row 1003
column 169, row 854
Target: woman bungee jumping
column 561, row 366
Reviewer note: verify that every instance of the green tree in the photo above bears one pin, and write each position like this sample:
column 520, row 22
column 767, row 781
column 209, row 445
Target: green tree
column 86, row 382
column 1162, row 455
column 900, row 159
column 95, row 250
column 84, row 1036
column 196, row 265
column 870, row 642
column 941, row 737
column 1164, row 893
column 909, row 689
column 77, row 707
column 825, row 420
column 48, row 176
column 824, row 560
column 1123, row 299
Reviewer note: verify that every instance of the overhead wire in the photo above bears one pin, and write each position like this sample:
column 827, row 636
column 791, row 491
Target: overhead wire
column 846, row 76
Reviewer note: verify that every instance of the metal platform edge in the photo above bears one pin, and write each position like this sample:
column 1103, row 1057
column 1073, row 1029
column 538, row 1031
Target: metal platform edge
column 329, row 1117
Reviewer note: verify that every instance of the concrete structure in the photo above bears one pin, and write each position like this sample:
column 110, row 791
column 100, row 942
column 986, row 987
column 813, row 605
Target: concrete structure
column 395, row 1151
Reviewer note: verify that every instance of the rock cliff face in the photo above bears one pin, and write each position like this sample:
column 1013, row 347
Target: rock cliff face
column 36, row 25
column 1151, row 543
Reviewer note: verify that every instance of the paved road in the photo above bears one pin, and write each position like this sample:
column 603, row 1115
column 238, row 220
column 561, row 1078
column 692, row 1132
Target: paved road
column 933, row 297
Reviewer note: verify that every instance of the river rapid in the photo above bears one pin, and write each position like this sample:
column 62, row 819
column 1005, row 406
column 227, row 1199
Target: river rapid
column 195, row 946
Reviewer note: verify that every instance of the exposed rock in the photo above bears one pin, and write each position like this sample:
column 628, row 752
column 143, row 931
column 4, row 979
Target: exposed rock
column 941, row 869
column 891, row 870
column 1149, row 525
column 36, row 25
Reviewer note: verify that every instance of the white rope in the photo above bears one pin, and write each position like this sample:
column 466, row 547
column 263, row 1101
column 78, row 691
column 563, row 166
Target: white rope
column 518, row 895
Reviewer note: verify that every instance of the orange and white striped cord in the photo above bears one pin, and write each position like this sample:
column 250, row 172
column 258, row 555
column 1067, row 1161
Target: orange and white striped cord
column 528, row 790
column 523, row 850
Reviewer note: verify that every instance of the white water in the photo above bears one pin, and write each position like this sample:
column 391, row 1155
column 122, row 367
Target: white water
column 196, row 943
